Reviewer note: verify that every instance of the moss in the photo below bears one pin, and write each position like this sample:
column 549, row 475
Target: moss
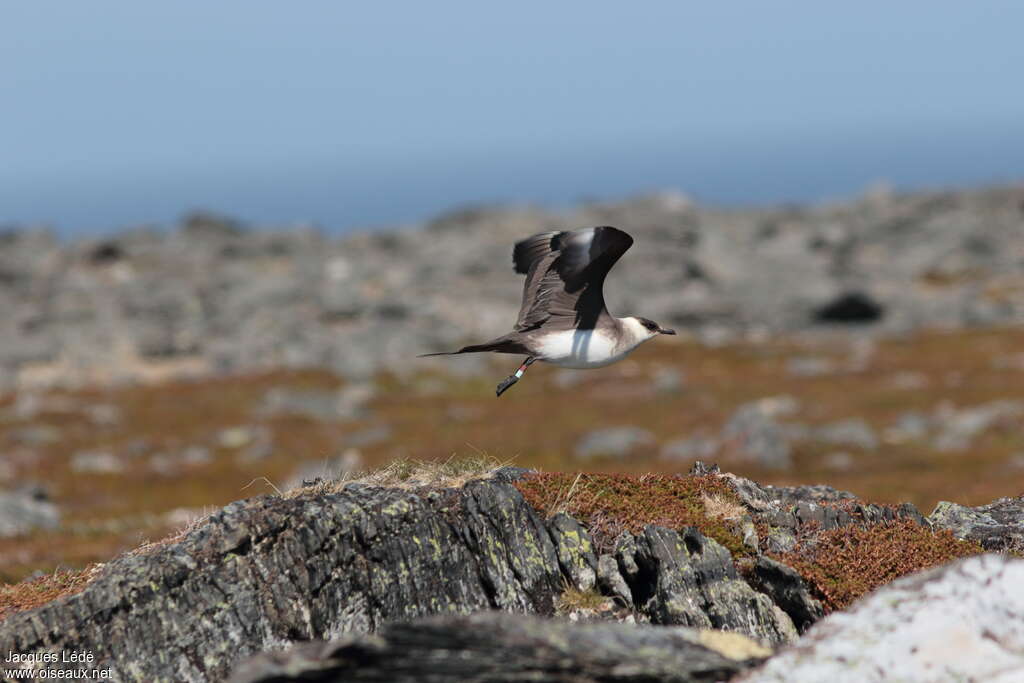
column 845, row 563
column 611, row 503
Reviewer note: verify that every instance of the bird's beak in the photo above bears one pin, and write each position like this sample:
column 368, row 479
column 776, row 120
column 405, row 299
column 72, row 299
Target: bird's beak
column 662, row 330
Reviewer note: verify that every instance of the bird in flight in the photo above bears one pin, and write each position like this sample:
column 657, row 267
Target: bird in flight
column 563, row 319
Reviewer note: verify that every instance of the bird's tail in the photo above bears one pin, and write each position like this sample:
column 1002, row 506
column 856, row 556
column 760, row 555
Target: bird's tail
column 475, row 348
column 500, row 345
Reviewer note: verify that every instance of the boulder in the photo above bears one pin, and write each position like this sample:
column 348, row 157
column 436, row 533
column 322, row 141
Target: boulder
column 507, row 647
column 959, row 622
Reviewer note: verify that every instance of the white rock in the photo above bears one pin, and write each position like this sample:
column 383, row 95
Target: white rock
column 960, row 622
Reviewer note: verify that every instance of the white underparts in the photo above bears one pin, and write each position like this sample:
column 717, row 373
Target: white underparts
column 519, row 372
column 589, row 348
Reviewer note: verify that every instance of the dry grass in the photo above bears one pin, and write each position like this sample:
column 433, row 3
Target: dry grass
column 39, row 591
column 721, row 507
column 408, row 474
column 573, row 600
column 454, row 472
column 175, row 536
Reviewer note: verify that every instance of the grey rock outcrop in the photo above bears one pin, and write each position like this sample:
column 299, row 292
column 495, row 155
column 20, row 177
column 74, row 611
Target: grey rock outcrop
column 691, row 580
column 503, row 647
column 376, row 584
column 795, row 508
column 575, row 551
column 787, row 511
column 998, row 526
column 266, row 572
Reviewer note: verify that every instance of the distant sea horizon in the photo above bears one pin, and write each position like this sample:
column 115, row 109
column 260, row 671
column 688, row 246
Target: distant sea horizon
column 337, row 193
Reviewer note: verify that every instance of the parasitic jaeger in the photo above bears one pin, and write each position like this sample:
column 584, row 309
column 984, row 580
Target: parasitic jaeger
column 563, row 319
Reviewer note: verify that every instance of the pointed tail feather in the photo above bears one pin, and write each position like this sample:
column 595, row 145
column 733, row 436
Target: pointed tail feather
column 496, row 346
column 476, row 348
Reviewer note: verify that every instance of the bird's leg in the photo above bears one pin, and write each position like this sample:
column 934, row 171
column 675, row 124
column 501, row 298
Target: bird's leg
column 514, row 377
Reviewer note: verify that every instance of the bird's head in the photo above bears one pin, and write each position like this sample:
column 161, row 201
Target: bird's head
column 645, row 328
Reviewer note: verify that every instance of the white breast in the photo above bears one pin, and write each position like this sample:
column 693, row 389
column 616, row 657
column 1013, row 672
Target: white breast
column 580, row 349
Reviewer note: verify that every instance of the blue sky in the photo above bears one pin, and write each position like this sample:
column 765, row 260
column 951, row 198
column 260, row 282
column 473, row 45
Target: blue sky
column 355, row 114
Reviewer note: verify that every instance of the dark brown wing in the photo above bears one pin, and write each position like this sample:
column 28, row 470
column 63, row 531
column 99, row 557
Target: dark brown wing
column 565, row 273
column 531, row 250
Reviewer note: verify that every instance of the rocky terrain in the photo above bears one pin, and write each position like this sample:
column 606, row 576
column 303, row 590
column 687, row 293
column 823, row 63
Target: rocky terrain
column 90, row 472
column 149, row 378
column 148, row 375
column 210, row 296
column 383, row 571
